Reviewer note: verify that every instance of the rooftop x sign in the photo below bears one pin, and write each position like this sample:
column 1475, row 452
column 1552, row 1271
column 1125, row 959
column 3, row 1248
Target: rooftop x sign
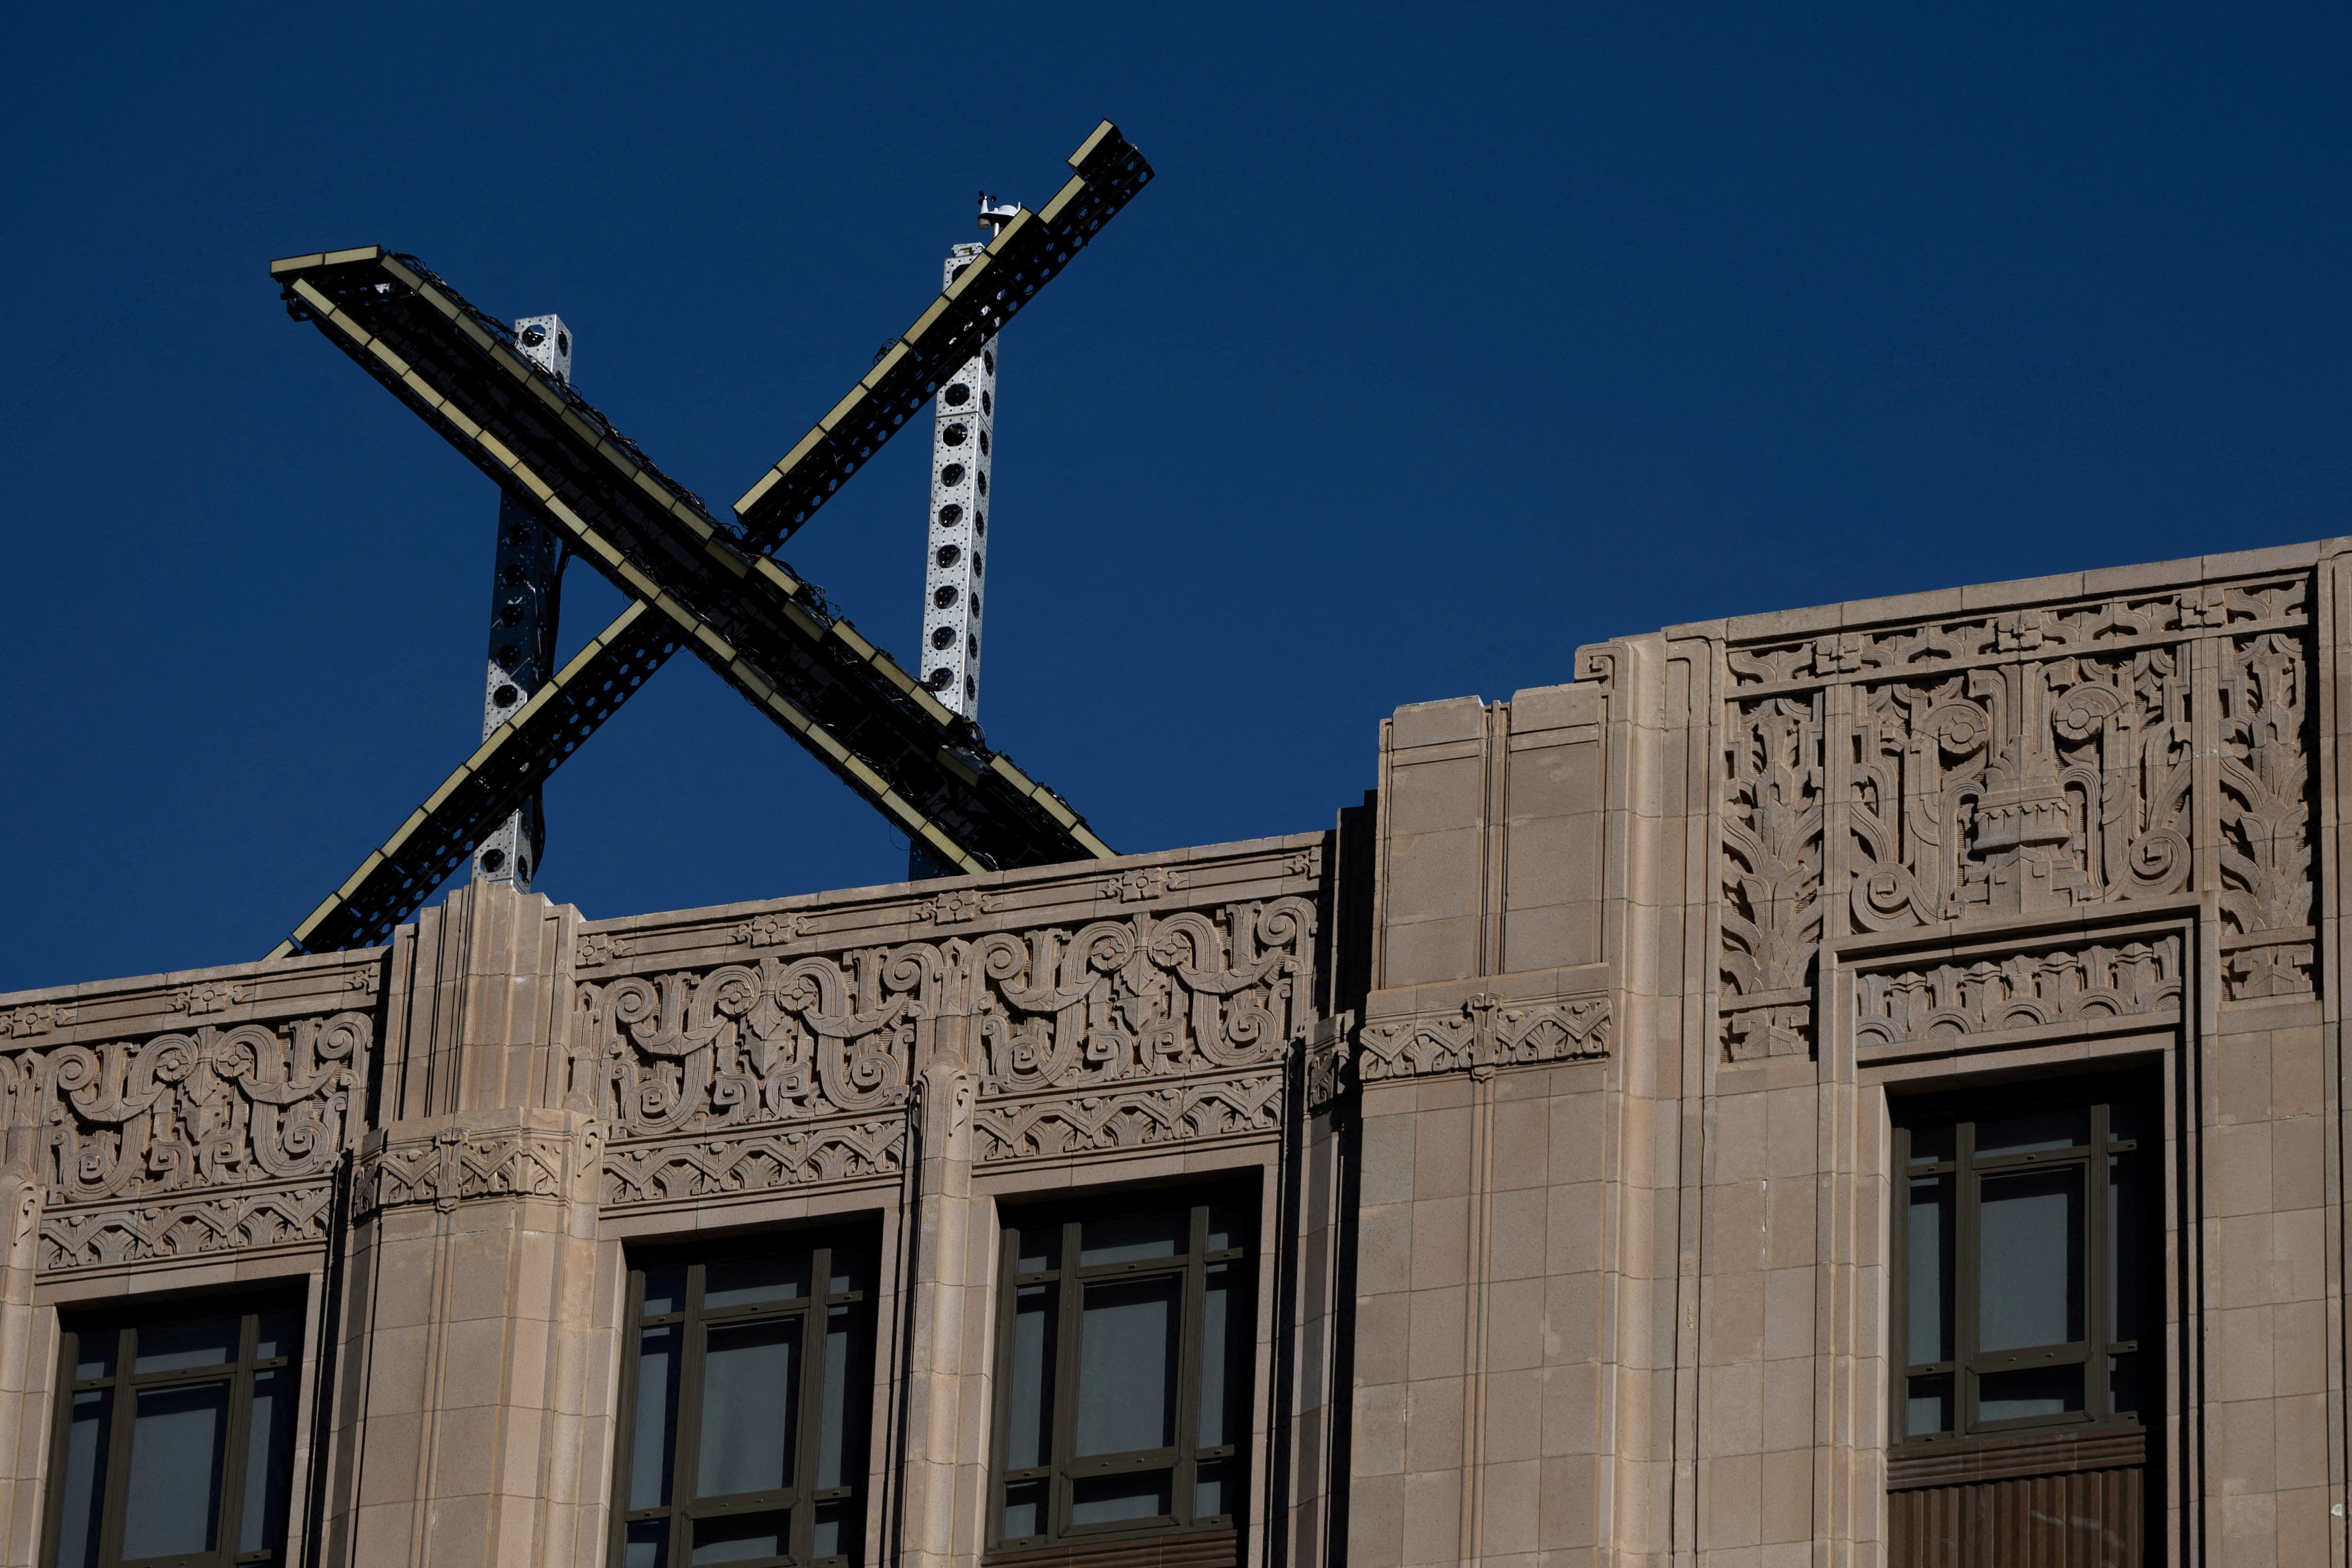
column 695, row 581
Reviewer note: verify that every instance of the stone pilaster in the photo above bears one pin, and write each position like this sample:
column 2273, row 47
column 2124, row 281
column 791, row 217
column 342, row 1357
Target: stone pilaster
column 27, row 1346
column 480, row 1330
column 945, row 1393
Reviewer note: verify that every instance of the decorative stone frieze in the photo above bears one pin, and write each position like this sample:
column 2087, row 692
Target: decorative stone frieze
column 2015, row 768
column 1149, row 1006
column 1956, row 1001
column 517, row 1155
column 102, row 1235
column 153, row 1135
column 1486, row 1030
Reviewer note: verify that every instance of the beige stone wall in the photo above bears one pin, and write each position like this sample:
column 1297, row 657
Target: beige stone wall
column 1564, row 1070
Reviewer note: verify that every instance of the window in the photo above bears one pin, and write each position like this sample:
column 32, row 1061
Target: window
column 1124, row 1360
column 743, row 1418
column 174, row 1438
column 2027, row 1293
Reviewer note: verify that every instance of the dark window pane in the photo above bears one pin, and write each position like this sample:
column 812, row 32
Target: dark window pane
column 85, row 1477
column 2133, row 1306
column 1031, row 1397
column 2044, row 1127
column 2133, row 1119
column 1214, row 1491
column 94, row 1354
column 743, row 1538
column 171, row 1347
column 1929, row 1405
column 649, row 1544
column 833, row 1424
column 836, row 1534
column 847, row 1271
column 751, row 1387
column 1115, row 1500
column 1125, row 1237
column 1931, row 1145
column 1126, row 1365
column 1218, row 1307
column 2030, row 1291
column 1040, row 1249
column 1024, row 1510
column 279, row 1332
column 176, row 1439
column 2123, row 1383
column 1227, row 1227
column 665, row 1289
column 747, row 1281
column 653, row 1436
column 268, row 1461
column 2037, row 1391
column 1929, row 1280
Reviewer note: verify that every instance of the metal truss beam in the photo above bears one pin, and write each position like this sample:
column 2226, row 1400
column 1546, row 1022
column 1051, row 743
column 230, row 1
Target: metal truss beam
column 766, row 632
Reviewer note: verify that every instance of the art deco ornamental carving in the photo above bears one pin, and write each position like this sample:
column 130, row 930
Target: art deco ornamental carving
column 2017, row 766
column 2265, row 813
column 1771, row 909
column 776, row 1070
column 197, row 1141
column 1485, row 1031
column 2023, row 991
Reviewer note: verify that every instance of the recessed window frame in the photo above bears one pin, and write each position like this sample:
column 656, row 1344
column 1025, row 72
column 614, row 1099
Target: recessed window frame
column 833, row 1256
column 1235, row 1209
column 83, row 1337
column 2119, row 1254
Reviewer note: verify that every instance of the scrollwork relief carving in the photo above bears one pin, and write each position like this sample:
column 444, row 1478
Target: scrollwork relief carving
column 207, row 1107
column 2022, row 789
column 714, row 1055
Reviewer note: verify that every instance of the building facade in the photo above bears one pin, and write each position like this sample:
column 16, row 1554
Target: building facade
column 1848, row 1086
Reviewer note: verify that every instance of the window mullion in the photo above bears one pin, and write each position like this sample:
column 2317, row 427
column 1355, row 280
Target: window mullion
column 624, row 1448
column 1898, row 1317
column 1963, row 1278
column 119, row 1404
column 240, row 1423
column 2097, row 1395
column 809, row 1419
column 1191, row 1318
column 1068, row 1305
column 686, row 1470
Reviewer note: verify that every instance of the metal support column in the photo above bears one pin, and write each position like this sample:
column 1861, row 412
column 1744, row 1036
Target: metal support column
column 526, row 581
column 955, row 545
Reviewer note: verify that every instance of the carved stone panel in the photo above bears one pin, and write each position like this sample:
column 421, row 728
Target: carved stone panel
column 2025, row 788
column 1485, row 1031
column 2016, row 767
column 2129, row 979
column 2265, row 813
column 1771, row 873
column 1154, row 1024
column 211, row 1138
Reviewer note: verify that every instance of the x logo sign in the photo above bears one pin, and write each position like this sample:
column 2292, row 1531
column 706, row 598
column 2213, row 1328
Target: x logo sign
column 694, row 581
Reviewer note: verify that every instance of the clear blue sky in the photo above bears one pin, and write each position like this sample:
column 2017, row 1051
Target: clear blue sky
column 1447, row 338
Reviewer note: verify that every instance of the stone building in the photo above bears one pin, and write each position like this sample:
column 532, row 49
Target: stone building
column 1848, row 1086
